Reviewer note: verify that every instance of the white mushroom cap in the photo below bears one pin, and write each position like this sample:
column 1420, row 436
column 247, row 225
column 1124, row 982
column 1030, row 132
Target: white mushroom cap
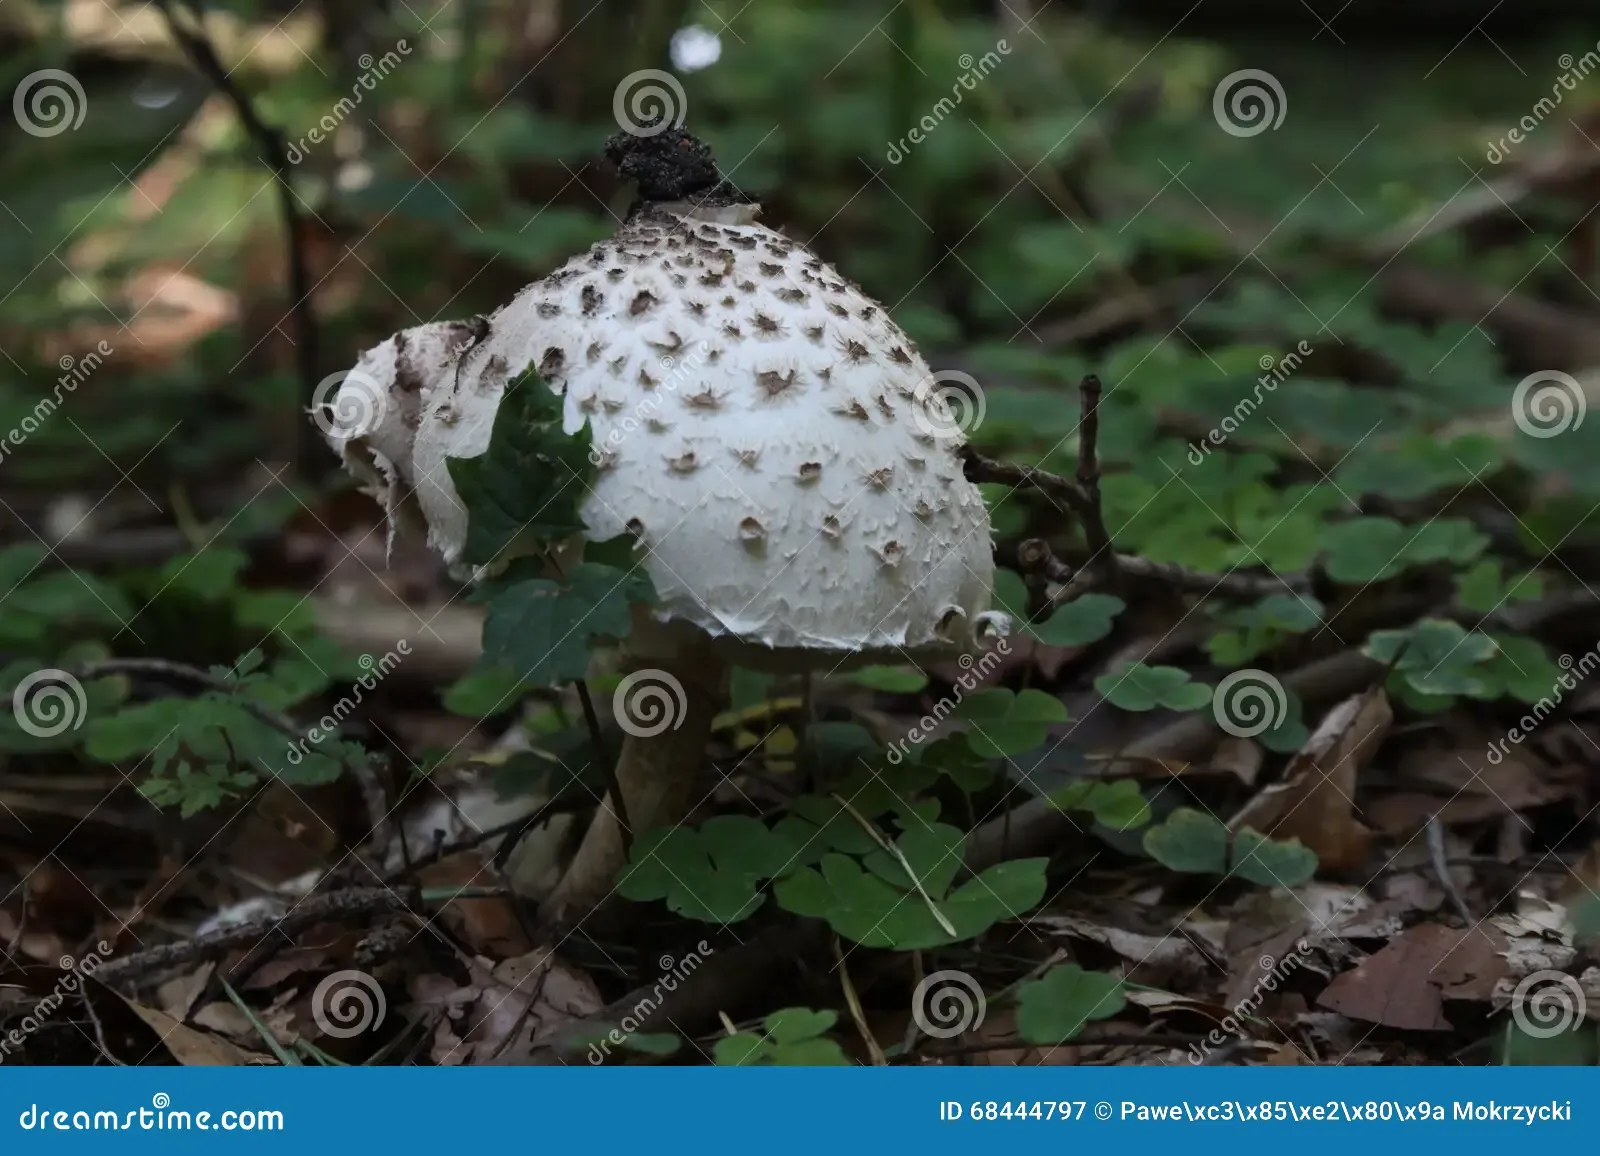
column 378, row 406
column 762, row 427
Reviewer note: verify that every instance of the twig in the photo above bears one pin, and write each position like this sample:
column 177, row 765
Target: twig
column 352, row 903
column 980, row 469
column 899, row 857
column 1035, row 554
column 442, row 850
column 1096, row 536
column 853, row 1002
column 202, row 55
column 1436, row 856
column 99, row 1028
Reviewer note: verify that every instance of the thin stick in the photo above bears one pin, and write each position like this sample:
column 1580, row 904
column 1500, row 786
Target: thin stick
column 979, row 469
column 853, row 1002
column 270, row 142
column 1034, row 554
column 900, row 858
column 1097, row 537
column 352, row 904
column 1436, row 856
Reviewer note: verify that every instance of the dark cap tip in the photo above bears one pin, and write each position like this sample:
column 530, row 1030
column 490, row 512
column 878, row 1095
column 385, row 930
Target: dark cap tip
column 666, row 160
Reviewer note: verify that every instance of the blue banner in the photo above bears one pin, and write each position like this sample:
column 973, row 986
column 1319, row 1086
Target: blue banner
column 790, row 1110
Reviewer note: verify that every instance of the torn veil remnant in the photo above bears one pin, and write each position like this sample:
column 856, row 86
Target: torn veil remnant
column 760, row 426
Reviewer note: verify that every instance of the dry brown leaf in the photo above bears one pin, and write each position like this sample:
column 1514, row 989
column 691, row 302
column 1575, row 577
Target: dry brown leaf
column 1538, row 936
column 1315, row 803
column 505, row 1013
column 193, row 1048
column 1405, row 984
column 1158, row 958
column 1242, row 758
column 178, row 995
column 489, row 927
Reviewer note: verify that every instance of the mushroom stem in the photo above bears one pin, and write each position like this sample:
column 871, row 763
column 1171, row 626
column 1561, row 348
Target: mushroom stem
column 666, row 708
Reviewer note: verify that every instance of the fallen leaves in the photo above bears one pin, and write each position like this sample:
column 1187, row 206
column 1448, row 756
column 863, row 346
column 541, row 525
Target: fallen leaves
column 1315, row 802
column 505, row 1013
column 1406, row 983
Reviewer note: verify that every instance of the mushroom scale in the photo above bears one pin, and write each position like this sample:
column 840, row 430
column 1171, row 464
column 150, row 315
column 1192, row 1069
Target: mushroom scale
column 762, row 426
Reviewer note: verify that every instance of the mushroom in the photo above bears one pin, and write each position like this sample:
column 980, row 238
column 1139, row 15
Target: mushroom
column 371, row 420
column 765, row 404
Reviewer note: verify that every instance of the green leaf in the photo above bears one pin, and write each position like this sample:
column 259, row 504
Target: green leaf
column 709, row 877
column 1058, row 1005
column 1364, row 550
column 488, row 689
column 933, row 854
column 1522, row 670
column 744, row 845
column 541, row 627
column 1196, row 843
column 1139, row 688
column 1079, row 622
column 1005, row 722
column 738, row 1050
column 1437, row 657
column 1189, row 841
column 890, row 679
column 1010, row 594
column 793, row 1037
column 791, row 1025
column 652, row 1043
column 1118, row 804
column 1484, row 589
column 210, row 575
column 953, row 757
column 867, row 909
column 527, row 487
